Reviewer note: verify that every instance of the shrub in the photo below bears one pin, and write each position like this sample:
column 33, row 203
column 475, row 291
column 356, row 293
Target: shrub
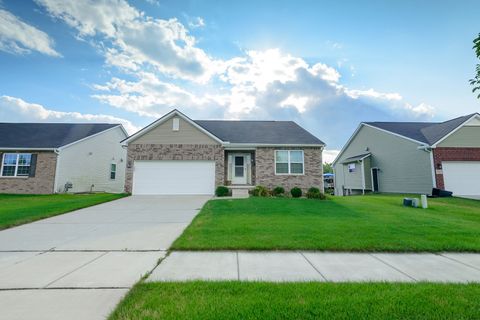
column 296, row 192
column 260, row 191
column 222, row 191
column 278, row 191
column 314, row 193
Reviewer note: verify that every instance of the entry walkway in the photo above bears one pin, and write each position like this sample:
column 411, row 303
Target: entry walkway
column 318, row 266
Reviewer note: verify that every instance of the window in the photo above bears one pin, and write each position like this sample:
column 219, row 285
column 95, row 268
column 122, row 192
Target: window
column 113, row 171
column 16, row 164
column 289, row 162
column 176, row 124
column 351, row 167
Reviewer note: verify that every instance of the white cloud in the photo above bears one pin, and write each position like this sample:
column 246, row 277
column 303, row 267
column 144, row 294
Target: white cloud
column 17, row 110
column 329, row 155
column 370, row 93
column 136, row 40
column 168, row 70
column 267, row 85
column 295, row 101
column 422, row 110
column 18, row 37
column 197, row 22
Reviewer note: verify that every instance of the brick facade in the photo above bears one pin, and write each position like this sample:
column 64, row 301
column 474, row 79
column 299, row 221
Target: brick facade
column 265, row 169
column 42, row 183
column 175, row 152
column 452, row 154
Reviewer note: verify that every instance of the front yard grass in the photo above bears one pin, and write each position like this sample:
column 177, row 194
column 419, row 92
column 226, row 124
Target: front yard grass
column 257, row 300
column 19, row 209
column 357, row 223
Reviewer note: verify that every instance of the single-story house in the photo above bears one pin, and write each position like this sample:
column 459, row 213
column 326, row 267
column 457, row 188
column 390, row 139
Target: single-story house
column 42, row 158
column 178, row 155
column 411, row 157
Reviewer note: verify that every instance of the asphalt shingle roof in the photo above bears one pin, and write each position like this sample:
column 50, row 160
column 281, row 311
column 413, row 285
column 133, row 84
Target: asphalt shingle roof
column 47, row 135
column 426, row 132
column 259, row 132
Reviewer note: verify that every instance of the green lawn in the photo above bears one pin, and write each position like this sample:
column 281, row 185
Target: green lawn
column 359, row 223
column 256, row 300
column 20, row 209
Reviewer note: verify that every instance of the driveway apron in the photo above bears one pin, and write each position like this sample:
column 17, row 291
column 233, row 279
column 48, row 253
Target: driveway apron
column 79, row 265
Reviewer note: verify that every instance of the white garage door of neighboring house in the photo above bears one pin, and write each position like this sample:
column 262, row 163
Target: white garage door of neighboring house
column 462, row 177
column 173, row 177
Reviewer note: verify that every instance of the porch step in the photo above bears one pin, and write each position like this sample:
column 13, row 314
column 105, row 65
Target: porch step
column 240, row 193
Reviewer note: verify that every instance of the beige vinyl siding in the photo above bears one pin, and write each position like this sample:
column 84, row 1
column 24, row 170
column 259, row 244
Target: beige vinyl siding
column 353, row 180
column 164, row 134
column 87, row 163
column 403, row 167
column 467, row 136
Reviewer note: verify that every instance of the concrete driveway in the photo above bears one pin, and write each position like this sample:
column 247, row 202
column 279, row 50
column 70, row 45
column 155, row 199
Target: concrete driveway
column 79, row 265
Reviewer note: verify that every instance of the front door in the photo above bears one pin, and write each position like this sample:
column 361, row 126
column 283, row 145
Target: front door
column 375, row 179
column 239, row 169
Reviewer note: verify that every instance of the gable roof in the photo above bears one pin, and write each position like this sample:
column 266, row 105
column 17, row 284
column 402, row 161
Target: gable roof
column 243, row 132
column 260, row 132
column 47, row 135
column 425, row 132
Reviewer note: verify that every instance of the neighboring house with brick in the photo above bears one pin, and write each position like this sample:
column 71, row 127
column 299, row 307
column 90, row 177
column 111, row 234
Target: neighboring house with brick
column 411, row 157
column 178, row 155
column 42, row 158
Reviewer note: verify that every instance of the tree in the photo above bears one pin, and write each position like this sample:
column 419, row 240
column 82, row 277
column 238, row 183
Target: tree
column 327, row 168
column 475, row 82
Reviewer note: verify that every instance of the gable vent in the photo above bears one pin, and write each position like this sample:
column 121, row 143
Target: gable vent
column 176, row 124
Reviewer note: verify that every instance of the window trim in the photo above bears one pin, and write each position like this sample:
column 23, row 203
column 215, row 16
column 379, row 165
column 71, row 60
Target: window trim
column 113, row 171
column 16, row 165
column 289, row 163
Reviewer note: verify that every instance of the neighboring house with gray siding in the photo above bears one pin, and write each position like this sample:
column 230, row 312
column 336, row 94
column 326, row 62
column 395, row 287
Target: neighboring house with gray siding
column 178, row 155
column 411, row 157
column 42, row 158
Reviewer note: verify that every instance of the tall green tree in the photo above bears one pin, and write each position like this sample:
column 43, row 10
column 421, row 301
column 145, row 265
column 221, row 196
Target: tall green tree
column 475, row 82
column 327, row 168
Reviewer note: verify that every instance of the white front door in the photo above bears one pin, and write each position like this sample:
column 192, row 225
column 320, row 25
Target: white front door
column 239, row 169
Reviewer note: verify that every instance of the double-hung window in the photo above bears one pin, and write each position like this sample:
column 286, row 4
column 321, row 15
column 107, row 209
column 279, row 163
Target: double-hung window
column 289, row 162
column 16, row 164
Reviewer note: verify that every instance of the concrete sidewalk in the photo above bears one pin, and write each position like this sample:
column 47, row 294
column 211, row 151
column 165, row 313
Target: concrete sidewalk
column 319, row 266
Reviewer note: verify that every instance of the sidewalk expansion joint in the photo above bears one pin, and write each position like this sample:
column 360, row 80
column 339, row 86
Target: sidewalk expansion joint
column 458, row 261
column 388, row 264
column 76, row 269
column 238, row 266
column 310, row 263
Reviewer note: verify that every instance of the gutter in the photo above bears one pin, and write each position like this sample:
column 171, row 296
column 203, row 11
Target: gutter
column 29, row 149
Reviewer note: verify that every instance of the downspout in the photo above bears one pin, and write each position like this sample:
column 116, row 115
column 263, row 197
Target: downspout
column 363, row 177
column 55, row 182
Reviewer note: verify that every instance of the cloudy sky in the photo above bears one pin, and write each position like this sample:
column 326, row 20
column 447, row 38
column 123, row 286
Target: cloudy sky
column 327, row 65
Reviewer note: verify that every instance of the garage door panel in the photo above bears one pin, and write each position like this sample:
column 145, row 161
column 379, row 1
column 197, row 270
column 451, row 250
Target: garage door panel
column 462, row 177
column 174, row 177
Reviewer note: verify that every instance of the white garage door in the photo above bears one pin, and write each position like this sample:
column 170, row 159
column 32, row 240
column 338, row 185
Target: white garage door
column 462, row 178
column 173, row 177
